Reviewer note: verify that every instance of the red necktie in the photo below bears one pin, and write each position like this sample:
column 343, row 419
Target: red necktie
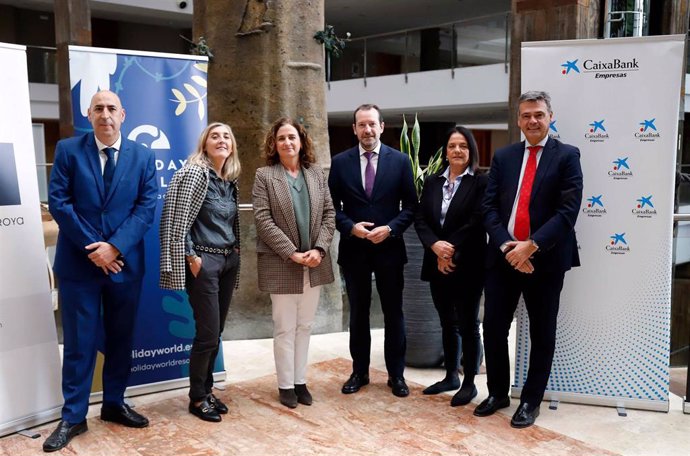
column 521, row 230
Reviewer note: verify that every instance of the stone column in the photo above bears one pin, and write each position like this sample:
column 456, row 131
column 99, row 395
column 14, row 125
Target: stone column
column 266, row 65
column 72, row 26
column 542, row 20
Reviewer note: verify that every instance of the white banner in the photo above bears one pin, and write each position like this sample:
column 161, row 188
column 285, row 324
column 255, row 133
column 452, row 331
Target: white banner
column 30, row 391
column 618, row 101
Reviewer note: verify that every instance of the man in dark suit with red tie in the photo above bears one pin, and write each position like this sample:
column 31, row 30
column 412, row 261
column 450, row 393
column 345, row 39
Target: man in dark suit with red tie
column 374, row 198
column 531, row 204
column 103, row 196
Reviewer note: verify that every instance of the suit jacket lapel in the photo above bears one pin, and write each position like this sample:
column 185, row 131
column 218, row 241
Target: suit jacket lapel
column 382, row 169
column 545, row 160
column 94, row 159
column 356, row 171
column 124, row 158
column 281, row 190
column 460, row 195
column 513, row 170
column 314, row 201
column 437, row 199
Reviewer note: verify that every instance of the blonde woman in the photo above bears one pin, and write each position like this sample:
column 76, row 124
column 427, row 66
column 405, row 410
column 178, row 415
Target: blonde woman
column 199, row 234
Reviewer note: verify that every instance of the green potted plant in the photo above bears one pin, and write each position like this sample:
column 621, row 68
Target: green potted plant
column 424, row 343
column 411, row 149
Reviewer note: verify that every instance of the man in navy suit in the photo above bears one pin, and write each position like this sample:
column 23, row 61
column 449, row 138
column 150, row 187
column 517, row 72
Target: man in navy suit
column 374, row 198
column 103, row 196
column 530, row 207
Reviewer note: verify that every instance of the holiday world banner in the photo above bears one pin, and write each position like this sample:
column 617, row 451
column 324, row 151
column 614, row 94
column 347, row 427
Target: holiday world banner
column 165, row 100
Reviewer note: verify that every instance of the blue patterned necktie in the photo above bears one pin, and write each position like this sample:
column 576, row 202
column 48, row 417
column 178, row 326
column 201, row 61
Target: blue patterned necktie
column 109, row 168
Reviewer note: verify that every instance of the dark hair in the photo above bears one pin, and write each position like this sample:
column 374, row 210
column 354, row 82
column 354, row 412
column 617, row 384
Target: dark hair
column 306, row 151
column 366, row 107
column 535, row 95
column 469, row 137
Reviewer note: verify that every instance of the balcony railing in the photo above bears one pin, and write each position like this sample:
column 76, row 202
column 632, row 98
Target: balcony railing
column 478, row 41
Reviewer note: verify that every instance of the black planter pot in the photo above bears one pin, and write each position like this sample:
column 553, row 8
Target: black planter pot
column 424, row 343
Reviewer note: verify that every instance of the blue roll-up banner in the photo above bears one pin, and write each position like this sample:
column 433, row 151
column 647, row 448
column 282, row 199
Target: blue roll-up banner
column 164, row 97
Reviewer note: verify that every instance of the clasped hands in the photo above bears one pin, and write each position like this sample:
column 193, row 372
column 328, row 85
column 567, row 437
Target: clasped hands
column 518, row 254
column 444, row 256
column 105, row 256
column 310, row 258
column 376, row 236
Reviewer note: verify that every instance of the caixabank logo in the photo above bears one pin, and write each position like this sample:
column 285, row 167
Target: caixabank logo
column 594, row 207
column 617, row 244
column 553, row 130
column 621, row 169
column 644, row 207
column 602, row 69
column 596, row 131
column 9, row 183
column 647, row 131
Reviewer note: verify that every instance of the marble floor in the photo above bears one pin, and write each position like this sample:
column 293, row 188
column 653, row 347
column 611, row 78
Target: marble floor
column 372, row 421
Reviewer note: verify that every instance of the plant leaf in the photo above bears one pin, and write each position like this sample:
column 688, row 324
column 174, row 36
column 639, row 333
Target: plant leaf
column 201, row 67
column 178, row 95
column 190, row 88
column 200, row 110
column 181, row 107
column 199, row 80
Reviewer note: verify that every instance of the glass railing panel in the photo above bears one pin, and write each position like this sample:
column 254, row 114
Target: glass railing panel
column 42, row 64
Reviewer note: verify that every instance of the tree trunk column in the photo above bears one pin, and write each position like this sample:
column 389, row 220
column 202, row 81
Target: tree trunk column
column 266, row 65
column 72, row 27
column 545, row 20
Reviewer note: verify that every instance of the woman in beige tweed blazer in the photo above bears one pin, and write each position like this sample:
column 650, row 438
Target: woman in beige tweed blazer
column 295, row 221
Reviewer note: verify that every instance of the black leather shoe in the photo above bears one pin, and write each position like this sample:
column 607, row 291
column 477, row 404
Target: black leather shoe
column 525, row 415
column 124, row 415
column 464, row 396
column 444, row 385
column 205, row 411
column 217, row 404
column 62, row 435
column 303, row 395
column 489, row 405
column 398, row 386
column 288, row 397
column 354, row 383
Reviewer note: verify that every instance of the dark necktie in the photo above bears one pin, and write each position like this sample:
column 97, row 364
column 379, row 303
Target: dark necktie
column 109, row 168
column 369, row 174
column 521, row 230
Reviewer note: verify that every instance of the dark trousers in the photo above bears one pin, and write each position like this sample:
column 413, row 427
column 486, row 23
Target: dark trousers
column 209, row 293
column 458, row 307
column 83, row 303
column 389, row 284
column 541, row 291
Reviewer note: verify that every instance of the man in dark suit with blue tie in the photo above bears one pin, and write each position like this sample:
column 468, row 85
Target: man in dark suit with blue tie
column 103, row 196
column 374, row 198
column 531, row 204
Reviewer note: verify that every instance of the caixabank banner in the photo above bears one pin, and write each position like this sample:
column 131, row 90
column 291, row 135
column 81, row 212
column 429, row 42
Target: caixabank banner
column 165, row 99
column 29, row 356
column 617, row 100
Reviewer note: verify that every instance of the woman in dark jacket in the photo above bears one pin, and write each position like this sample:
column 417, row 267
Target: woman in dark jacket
column 449, row 224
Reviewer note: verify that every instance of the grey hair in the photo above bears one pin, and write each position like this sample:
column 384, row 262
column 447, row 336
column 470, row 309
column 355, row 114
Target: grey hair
column 535, row 95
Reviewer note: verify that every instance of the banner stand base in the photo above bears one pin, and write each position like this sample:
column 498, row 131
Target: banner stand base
column 607, row 401
column 686, row 406
column 21, row 425
column 150, row 388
